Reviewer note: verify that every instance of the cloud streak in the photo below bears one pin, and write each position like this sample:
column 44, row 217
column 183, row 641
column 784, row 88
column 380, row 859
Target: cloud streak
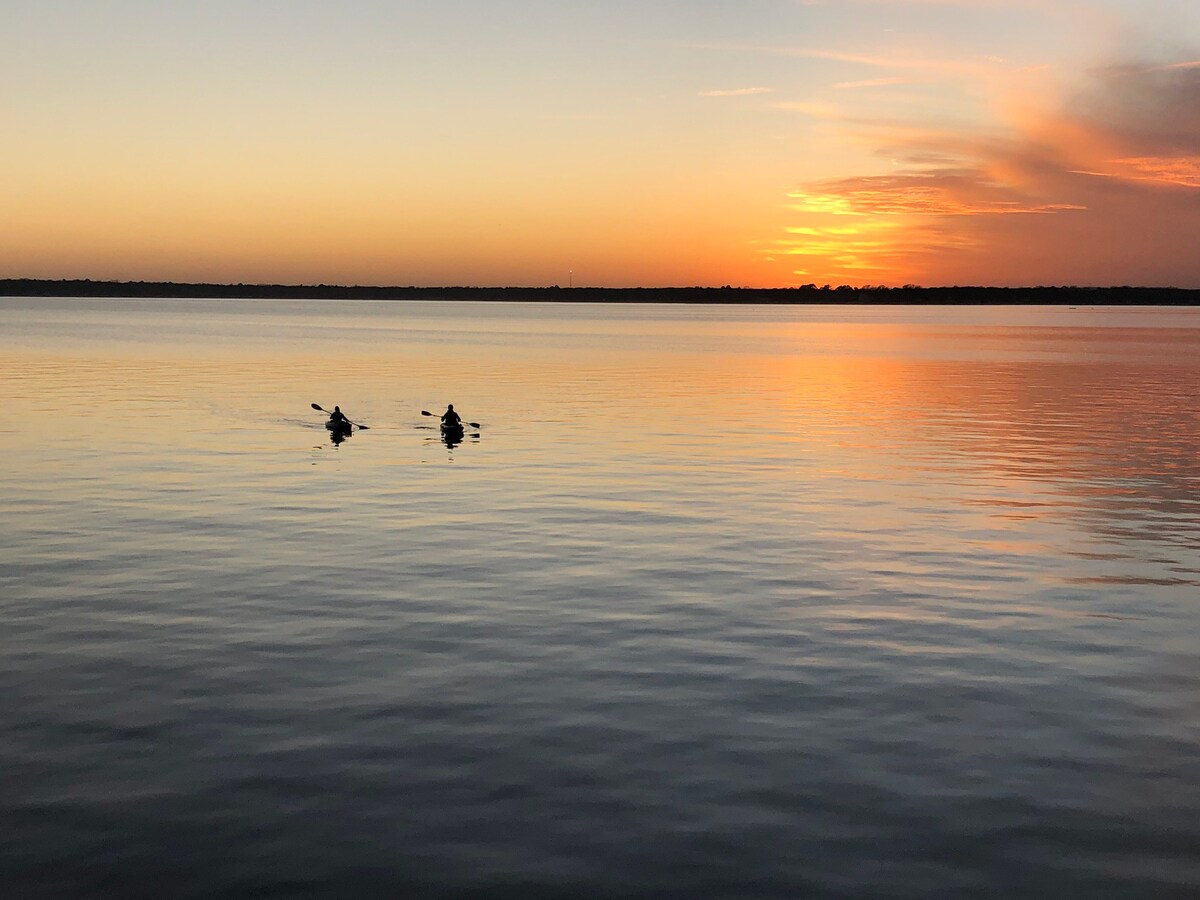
column 872, row 82
column 968, row 193
column 936, row 65
column 736, row 92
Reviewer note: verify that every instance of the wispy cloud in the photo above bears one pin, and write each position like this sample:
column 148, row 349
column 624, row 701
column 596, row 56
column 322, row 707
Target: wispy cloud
column 872, row 82
column 811, row 108
column 898, row 62
column 736, row 92
column 969, row 193
column 969, row 4
column 1177, row 171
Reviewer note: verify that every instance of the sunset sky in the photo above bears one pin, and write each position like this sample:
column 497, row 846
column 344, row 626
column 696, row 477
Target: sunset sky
column 624, row 142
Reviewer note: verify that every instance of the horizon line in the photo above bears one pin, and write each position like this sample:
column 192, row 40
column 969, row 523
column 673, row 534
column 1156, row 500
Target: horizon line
column 810, row 287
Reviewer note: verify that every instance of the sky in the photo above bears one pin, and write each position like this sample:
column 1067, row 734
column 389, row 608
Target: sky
column 765, row 143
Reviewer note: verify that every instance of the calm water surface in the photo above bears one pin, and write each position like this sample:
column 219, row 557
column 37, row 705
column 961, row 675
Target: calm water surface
column 720, row 602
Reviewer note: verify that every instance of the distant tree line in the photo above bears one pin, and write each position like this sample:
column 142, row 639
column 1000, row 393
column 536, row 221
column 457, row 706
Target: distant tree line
column 808, row 293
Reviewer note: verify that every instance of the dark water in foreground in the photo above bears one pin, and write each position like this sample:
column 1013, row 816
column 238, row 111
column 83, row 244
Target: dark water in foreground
column 721, row 602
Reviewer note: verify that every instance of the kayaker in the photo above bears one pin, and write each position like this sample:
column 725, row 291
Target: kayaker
column 337, row 418
column 450, row 418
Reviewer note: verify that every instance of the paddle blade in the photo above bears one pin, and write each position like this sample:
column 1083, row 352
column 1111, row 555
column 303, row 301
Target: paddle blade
column 315, row 406
column 364, row 427
column 473, row 424
column 426, row 412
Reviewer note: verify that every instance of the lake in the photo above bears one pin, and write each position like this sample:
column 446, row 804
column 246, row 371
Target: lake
column 717, row 601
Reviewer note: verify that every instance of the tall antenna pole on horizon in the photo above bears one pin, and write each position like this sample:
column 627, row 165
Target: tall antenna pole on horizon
column 570, row 278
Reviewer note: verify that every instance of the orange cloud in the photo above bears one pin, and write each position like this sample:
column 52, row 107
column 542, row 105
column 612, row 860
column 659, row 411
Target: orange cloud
column 1099, row 192
column 1170, row 171
column 931, row 194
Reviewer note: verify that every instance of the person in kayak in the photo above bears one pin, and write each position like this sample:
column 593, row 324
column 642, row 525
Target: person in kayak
column 451, row 419
column 337, row 418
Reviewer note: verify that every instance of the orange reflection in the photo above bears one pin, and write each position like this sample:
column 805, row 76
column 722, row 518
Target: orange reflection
column 1108, row 436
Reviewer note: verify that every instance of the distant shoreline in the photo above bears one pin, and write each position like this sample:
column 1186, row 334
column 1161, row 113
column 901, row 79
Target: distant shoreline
column 808, row 294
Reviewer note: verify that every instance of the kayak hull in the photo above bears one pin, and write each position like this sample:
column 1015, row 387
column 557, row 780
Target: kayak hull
column 338, row 427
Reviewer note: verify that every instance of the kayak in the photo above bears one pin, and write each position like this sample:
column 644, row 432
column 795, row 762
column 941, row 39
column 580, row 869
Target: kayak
column 338, row 427
column 452, row 430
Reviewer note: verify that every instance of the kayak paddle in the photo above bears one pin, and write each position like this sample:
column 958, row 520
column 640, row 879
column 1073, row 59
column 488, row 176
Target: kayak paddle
column 355, row 424
column 426, row 412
